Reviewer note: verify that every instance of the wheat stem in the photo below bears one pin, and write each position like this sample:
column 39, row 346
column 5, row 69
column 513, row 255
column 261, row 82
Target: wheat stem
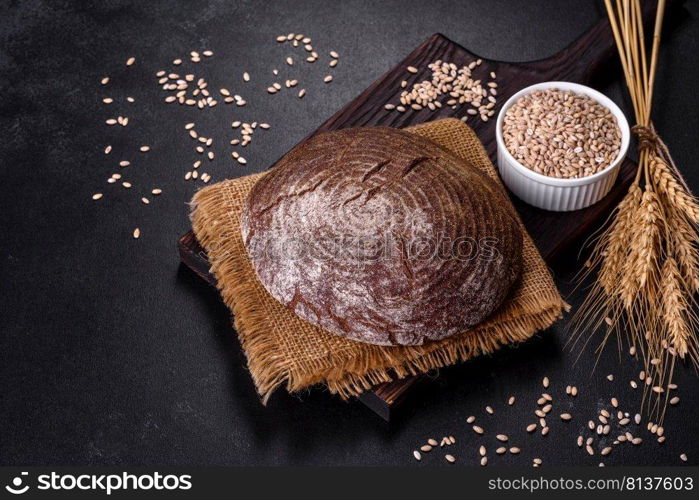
column 647, row 259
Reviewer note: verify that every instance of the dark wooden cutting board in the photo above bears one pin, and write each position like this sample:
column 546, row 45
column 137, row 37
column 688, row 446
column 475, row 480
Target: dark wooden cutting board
column 581, row 62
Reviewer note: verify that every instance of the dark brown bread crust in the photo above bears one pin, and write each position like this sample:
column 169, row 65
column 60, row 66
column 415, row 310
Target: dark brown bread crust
column 382, row 236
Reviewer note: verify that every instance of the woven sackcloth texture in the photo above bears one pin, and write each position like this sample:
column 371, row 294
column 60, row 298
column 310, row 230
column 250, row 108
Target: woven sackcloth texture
column 283, row 349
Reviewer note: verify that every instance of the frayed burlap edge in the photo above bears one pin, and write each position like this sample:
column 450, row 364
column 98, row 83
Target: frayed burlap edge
column 483, row 341
column 249, row 317
column 269, row 366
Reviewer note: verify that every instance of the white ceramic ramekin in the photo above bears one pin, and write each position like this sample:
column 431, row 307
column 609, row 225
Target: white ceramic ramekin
column 551, row 193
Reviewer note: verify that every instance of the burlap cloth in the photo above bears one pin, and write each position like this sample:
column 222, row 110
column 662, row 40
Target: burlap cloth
column 284, row 349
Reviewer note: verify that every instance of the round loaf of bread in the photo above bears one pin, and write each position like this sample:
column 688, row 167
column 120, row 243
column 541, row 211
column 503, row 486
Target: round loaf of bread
column 382, row 236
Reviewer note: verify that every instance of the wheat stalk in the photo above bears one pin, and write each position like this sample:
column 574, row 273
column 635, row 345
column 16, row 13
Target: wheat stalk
column 640, row 266
column 673, row 305
column 685, row 252
column 647, row 259
column 673, row 191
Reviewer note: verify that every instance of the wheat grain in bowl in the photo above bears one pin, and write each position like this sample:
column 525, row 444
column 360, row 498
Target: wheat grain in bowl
column 561, row 133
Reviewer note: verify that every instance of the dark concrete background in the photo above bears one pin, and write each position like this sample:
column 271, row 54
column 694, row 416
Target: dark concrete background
column 112, row 353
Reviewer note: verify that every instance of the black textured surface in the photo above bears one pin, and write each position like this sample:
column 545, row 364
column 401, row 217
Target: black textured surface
column 112, row 353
